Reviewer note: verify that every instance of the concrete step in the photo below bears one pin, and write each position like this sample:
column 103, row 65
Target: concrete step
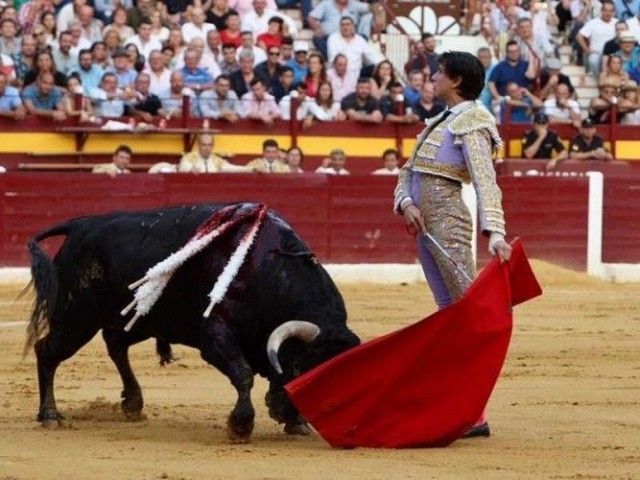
column 294, row 13
column 586, row 92
column 583, row 81
column 304, row 34
column 584, row 102
column 565, row 50
column 565, row 58
column 573, row 70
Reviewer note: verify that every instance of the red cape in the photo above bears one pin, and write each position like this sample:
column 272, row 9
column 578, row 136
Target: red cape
column 424, row 385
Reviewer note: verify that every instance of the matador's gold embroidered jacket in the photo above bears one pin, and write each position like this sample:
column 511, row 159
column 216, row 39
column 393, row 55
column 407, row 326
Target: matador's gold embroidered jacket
column 460, row 148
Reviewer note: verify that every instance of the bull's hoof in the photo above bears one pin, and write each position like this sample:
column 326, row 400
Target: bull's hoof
column 51, row 419
column 296, row 428
column 131, row 405
column 166, row 359
column 240, row 427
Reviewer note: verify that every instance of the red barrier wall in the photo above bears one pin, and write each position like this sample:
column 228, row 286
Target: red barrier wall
column 344, row 219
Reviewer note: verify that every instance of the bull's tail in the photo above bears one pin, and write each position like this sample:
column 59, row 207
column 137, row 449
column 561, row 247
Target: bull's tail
column 44, row 280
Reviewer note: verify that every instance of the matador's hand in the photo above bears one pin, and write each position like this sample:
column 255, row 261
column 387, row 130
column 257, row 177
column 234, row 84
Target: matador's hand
column 413, row 219
column 498, row 246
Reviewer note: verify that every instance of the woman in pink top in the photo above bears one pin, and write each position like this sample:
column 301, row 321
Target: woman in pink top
column 317, row 74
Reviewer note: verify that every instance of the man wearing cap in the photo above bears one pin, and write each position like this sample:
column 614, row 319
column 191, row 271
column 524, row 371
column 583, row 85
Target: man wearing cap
column 587, row 145
column 540, row 142
column 551, row 76
column 124, row 73
column 612, row 46
column 629, row 52
column 299, row 61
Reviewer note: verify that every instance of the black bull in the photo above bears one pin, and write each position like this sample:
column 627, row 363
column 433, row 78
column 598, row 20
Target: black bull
column 280, row 293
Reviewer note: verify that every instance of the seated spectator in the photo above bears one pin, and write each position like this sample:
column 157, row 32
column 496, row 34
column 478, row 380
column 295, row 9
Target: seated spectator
column 125, row 75
column 108, row 100
column 197, row 27
column 173, row 49
column 270, row 161
column 203, row 160
column 46, row 29
column 205, row 62
column 614, row 74
column 91, row 26
column 172, row 99
column 413, row 91
column 300, row 93
column 540, row 142
column 299, row 63
column 65, row 60
column 354, row 46
column 613, row 45
column 25, row 60
column 100, row 55
column 120, row 25
column 485, row 56
column 257, row 19
column 158, row 30
column 561, row 108
column 144, row 104
column 136, row 61
column 273, row 36
column 316, row 75
column 595, row 34
column 383, row 76
column 423, row 56
column 112, row 42
column 527, row 38
column 295, row 157
column 221, row 103
column 10, row 103
column 326, row 19
column 629, row 52
column 551, row 76
column 143, row 41
column 71, row 106
column 343, row 81
column 338, row 161
column 159, row 74
column 324, row 108
column 218, row 14
column 361, row 105
column 90, row 74
column 231, row 35
column 45, row 64
column 78, row 40
column 394, row 106
column 630, row 104
column 286, row 49
column 44, row 99
column 520, row 103
column 600, row 106
column 196, row 78
column 241, row 79
column 285, row 83
column 247, row 43
column 119, row 165
column 587, row 145
column 212, row 53
column 511, row 69
column 269, row 70
column 389, row 163
column 427, row 106
column 9, row 38
column 229, row 63
column 258, row 104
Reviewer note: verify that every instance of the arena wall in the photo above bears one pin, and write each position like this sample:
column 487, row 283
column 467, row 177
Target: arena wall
column 346, row 220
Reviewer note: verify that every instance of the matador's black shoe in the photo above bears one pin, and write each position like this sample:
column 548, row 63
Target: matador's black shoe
column 478, row 431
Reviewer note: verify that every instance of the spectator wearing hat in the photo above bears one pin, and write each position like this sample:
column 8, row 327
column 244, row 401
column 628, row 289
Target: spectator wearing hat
column 540, row 142
column 600, row 107
column 90, row 74
column 361, row 105
column 518, row 105
column 587, row 145
column 561, row 108
column 630, row 104
column 613, row 45
column 299, row 63
column 629, row 52
column 122, row 69
column 550, row 76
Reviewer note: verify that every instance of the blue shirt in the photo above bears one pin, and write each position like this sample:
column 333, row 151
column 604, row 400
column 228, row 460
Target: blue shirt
column 49, row 102
column 299, row 71
column 485, row 95
column 329, row 16
column 504, row 72
column 632, row 62
column 10, row 99
column 196, row 76
column 126, row 78
column 518, row 114
column 625, row 10
column 91, row 78
column 412, row 95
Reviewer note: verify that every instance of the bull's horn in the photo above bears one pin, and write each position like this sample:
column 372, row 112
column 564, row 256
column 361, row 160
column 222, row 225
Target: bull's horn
column 305, row 331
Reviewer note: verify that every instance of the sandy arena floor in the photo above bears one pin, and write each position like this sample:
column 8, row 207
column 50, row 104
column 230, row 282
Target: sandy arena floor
column 566, row 407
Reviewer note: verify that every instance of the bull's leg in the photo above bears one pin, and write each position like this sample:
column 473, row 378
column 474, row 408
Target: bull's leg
column 220, row 349
column 118, row 343
column 282, row 410
column 64, row 339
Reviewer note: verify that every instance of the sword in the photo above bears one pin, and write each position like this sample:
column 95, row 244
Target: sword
column 446, row 254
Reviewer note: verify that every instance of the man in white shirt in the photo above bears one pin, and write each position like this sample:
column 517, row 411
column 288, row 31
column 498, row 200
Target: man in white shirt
column 68, row 14
column 300, row 92
column 337, row 162
column 91, row 27
column 595, row 33
column 160, row 76
column 353, row 46
column 389, row 162
column 257, row 20
column 143, row 40
column 65, row 61
column 248, row 43
column 343, row 81
column 561, row 108
column 197, row 27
